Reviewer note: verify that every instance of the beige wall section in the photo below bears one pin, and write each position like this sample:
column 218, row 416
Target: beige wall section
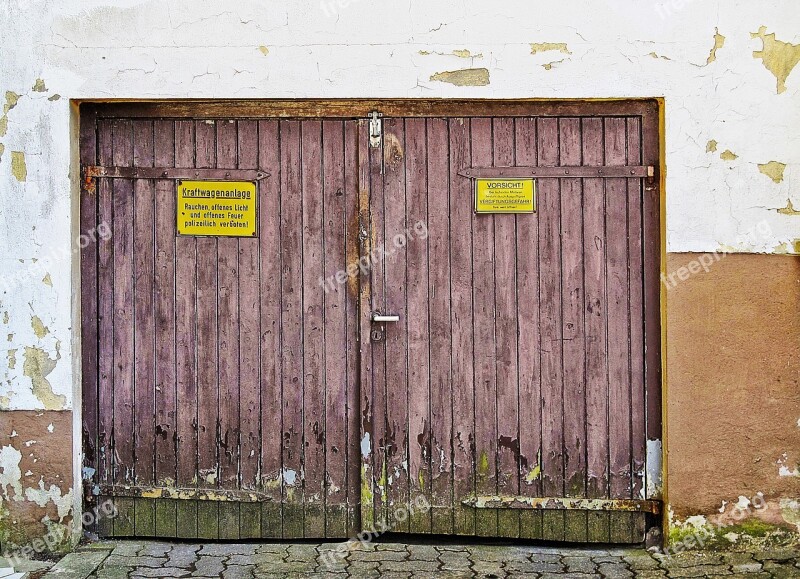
column 36, row 474
column 733, row 391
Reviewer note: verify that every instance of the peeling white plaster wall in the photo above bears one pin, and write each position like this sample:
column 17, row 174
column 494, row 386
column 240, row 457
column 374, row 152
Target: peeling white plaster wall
column 174, row 49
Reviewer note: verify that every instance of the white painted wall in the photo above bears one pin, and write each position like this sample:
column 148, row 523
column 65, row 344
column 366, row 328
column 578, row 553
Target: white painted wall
column 84, row 49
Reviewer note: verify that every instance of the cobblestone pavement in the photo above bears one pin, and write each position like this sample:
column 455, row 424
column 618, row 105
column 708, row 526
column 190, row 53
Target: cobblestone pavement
column 132, row 560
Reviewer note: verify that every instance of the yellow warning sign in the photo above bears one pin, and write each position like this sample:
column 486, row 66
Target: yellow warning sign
column 217, row 208
column 505, row 196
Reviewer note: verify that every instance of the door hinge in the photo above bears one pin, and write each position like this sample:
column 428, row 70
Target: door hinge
column 375, row 129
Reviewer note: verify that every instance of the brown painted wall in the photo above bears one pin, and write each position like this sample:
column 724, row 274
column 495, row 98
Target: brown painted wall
column 35, row 477
column 733, row 391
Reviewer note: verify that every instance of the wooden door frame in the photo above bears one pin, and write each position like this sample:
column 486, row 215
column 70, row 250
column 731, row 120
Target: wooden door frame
column 653, row 153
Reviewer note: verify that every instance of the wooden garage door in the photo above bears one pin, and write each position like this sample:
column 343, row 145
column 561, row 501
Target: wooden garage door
column 239, row 387
column 512, row 392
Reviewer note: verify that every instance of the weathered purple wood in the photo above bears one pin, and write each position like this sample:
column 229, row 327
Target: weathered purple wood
column 438, row 228
column 105, row 308
column 375, row 445
column 352, row 323
column 186, row 325
column 594, row 248
column 334, row 404
column 505, row 250
column 164, row 295
column 551, row 328
column 393, row 267
column 530, row 407
column 207, row 349
column 418, row 301
column 313, row 329
column 144, row 319
column 269, row 241
column 483, row 258
column 638, row 408
column 462, row 351
column 249, row 327
column 228, row 324
column 619, row 402
column 292, row 327
column 89, row 221
column 573, row 312
column 123, row 295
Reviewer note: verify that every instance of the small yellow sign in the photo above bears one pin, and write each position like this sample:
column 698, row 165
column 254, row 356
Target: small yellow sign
column 217, row 208
column 505, row 196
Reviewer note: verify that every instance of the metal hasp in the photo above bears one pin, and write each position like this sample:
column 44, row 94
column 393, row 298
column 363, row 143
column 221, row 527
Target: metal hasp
column 375, row 129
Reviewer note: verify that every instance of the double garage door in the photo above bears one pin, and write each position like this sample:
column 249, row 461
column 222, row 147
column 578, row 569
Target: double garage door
column 373, row 353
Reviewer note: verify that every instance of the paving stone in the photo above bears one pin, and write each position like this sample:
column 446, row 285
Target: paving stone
column 378, row 556
column 363, row 573
column 127, row 548
column 77, row 565
column 183, row 556
column 455, row 548
column 263, row 559
column 781, row 554
column 455, row 560
column 308, row 566
column 699, row 571
column 614, row 570
column 423, row 552
column 161, row 572
column 208, row 566
column 488, row 569
column 155, row 549
column 410, row 566
column 135, row 562
column 641, row 561
column 694, row 559
column 238, row 572
column 533, row 567
column 26, row 565
column 225, row 549
column 544, row 557
column 579, row 565
column 271, row 548
column 495, row 553
column 650, row 573
column 301, row 552
column 737, row 558
column 754, row 567
column 388, row 546
column 615, row 559
column 111, row 572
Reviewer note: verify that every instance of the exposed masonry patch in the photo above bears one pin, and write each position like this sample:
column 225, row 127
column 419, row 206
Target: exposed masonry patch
column 55, row 97
column 38, row 365
column 264, row 50
column 39, row 329
column 719, row 42
column 463, row 53
column 790, row 511
column 537, row 47
column 711, row 147
column 18, row 167
column 41, row 496
column 39, row 86
column 789, row 210
column 12, row 359
column 464, row 77
column 774, row 170
column 728, row 155
column 655, row 55
column 778, row 57
column 46, row 280
column 11, row 101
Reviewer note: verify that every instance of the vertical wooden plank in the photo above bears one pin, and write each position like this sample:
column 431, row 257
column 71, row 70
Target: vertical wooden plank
column 366, row 379
column 528, row 305
column 122, row 444
column 271, row 353
column 89, row 224
column 484, row 339
column 594, row 249
column 636, row 300
column 572, row 327
column 186, row 370
column 551, row 329
column 505, row 271
column 437, row 232
column 396, row 479
column 292, row 327
column 228, row 347
column 144, row 324
column 352, row 323
column 314, row 384
column 249, row 351
column 335, row 333
column 619, row 402
column 419, row 394
column 165, row 330
column 105, row 333
column 652, row 255
column 462, row 352
column 207, row 351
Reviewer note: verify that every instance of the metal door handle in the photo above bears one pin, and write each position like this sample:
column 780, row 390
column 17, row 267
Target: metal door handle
column 383, row 318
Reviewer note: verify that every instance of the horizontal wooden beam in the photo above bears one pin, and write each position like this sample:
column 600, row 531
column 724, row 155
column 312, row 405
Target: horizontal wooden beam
column 562, row 503
column 93, row 171
column 188, row 494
